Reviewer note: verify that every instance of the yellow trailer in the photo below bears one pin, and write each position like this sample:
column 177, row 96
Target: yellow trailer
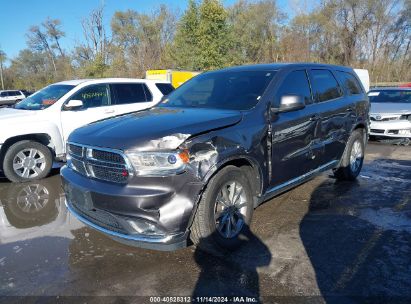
column 176, row 78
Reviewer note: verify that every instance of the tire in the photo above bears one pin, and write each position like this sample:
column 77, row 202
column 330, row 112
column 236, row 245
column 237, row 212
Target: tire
column 18, row 160
column 354, row 152
column 209, row 233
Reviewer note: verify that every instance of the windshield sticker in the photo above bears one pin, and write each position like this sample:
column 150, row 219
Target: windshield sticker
column 48, row 102
column 373, row 94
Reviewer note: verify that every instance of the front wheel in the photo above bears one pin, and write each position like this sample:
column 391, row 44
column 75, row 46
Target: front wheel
column 353, row 157
column 27, row 160
column 224, row 212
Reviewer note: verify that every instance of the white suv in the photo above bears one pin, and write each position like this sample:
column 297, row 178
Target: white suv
column 10, row 97
column 33, row 133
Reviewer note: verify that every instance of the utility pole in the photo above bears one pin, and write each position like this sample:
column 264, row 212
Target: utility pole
column 2, row 57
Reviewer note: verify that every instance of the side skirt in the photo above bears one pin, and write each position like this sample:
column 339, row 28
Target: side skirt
column 277, row 190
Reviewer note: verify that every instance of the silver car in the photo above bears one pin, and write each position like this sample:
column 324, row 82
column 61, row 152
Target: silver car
column 390, row 112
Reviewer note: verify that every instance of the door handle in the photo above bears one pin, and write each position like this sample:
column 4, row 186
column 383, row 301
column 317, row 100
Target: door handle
column 108, row 111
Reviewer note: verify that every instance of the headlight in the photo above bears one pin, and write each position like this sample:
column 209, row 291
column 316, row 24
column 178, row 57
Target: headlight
column 158, row 163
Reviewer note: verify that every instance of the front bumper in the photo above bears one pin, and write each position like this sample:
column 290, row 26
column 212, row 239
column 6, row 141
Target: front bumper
column 165, row 204
column 393, row 129
column 165, row 242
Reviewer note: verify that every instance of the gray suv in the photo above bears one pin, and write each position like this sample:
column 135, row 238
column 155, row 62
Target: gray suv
column 197, row 165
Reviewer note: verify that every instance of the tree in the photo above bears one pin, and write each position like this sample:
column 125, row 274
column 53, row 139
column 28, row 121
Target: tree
column 142, row 38
column 38, row 41
column 256, row 28
column 92, row 55
column 214, row 37
column 185, row 46
column 54, row 33
column 31, row 70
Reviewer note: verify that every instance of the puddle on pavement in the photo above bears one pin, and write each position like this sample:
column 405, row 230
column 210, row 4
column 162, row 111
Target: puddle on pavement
column 34, row 209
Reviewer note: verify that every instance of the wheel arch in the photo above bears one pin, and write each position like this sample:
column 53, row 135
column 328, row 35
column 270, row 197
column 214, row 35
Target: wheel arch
column 42, row 138
column 252, row 169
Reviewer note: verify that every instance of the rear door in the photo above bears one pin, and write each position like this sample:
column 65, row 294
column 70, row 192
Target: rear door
column 96, row 100
column 336, row 114
column 131, row 97
column 294, row 134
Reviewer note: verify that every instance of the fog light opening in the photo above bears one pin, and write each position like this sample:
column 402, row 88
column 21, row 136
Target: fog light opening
column 144, row 227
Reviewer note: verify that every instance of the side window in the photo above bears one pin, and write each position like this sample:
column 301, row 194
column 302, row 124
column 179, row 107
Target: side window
column 3, row 94
column 129, row 93
column 296, row 83
column 324, row 85
column 93, row 96
column 165, row 88
column 350, row 83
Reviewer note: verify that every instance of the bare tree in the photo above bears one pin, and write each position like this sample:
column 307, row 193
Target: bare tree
column 54, row 32
column 95, row 34
column 37, row 40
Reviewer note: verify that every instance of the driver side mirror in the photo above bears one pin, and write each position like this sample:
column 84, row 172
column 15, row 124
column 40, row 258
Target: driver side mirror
column 290, row 103
column 73, row 104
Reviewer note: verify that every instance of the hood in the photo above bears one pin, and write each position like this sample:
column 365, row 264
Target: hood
column 13, row 114
column 154, row 129
column 390, row 108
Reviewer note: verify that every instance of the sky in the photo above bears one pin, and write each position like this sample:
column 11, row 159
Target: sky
column 17, row 16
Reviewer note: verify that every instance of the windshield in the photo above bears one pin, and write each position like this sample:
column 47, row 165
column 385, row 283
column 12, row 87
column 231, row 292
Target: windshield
column 393, row 96
column 44, row 98
column 237, row 90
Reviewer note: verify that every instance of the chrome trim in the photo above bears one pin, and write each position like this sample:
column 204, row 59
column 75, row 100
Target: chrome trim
column 295, row 181
column 137, row 238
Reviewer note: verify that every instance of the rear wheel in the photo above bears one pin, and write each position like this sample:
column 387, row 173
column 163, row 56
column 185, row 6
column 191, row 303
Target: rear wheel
column 27, row 160
column 353, row 157
column 224, row 212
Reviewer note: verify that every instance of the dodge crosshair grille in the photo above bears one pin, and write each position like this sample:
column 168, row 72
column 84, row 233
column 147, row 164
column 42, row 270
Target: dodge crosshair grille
column 99, row 163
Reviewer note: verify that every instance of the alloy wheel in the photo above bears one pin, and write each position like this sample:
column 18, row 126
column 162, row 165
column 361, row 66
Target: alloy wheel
column 29, row 163
column 230, row 209
column 356, row 155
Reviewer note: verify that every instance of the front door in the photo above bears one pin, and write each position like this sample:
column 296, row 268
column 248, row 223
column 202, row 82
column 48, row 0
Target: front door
column 295, row 134
column 96, row 100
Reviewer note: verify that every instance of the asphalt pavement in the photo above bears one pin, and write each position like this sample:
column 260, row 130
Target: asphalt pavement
column 322, row 242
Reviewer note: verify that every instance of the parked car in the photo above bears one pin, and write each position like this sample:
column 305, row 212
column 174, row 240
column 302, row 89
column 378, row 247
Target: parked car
column 390, row 112
column 196, row 165
column 10, row 97
column 33, row 134
column 27, row 93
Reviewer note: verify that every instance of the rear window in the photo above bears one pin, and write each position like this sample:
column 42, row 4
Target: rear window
column 165, row 88
column 349, row 82
column 390, row 96
column 325, row 86
column 131, row 93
